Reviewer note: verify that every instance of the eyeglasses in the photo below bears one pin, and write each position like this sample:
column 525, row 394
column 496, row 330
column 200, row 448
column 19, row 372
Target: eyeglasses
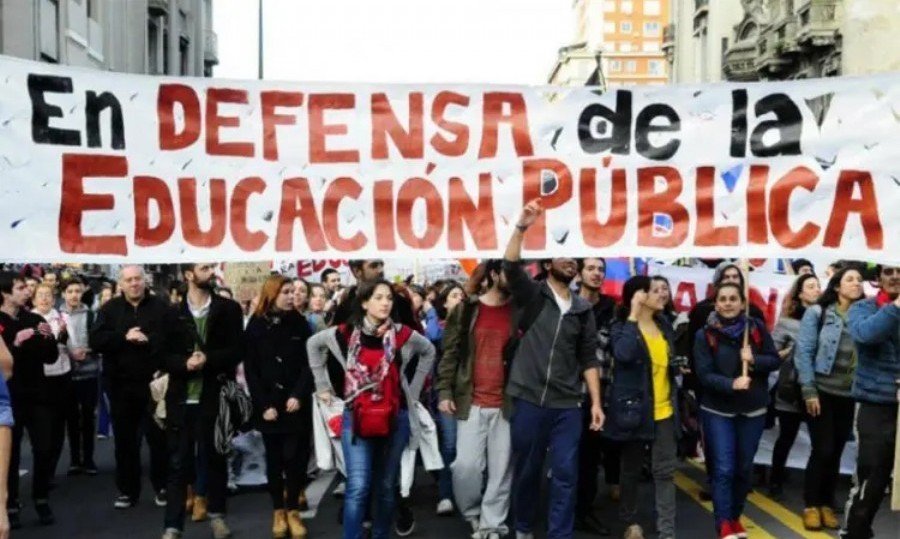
column 889, row 272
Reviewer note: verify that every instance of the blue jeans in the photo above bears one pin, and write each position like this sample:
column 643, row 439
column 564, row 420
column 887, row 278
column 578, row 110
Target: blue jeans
column 372, row 463
column 447, row 430
column 733, row 442
column 535, row 430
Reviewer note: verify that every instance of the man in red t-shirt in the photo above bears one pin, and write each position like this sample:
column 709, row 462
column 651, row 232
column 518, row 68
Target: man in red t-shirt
column 471, row 386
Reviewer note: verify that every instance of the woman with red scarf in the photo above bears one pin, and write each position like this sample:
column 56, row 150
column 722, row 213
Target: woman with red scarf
column 379, row 391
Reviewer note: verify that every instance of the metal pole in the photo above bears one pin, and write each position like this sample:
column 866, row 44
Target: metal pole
column 260, row 46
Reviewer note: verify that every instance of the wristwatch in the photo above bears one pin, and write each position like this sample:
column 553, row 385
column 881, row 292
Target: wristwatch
column 522, row 228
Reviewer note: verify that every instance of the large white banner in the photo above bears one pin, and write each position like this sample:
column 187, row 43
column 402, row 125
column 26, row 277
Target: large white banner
column 104, row 167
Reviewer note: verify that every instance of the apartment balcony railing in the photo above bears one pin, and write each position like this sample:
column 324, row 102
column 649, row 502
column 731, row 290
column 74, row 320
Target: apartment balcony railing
column 819, row 23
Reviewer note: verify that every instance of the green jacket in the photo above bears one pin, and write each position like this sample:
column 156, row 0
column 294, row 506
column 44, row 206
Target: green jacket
column 456, row 367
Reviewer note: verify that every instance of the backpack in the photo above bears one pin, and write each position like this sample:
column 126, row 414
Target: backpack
column 788, row 388
column 376, row 418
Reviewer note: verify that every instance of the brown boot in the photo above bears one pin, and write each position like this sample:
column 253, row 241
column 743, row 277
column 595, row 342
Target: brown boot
column 812, row 519
column 200, row 511
column 279, row 524
column 829, row 519
column 189, row 500
column 302, row 501
column 298, row 531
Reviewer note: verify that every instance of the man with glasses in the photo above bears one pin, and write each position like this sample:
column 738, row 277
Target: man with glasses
column 875, row 327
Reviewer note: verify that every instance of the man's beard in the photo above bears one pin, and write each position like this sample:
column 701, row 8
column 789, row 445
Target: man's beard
column 560, row 276
column 209, row 285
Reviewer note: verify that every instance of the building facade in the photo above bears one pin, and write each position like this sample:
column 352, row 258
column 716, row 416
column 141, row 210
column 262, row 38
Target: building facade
column 697, row 37
column 632, row 41
column 578, row 64
column 753, row 40
column 159, row 37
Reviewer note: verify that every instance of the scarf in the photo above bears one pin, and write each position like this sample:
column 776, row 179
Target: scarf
column 360, row 377
column 733, row 328
column 882, row 299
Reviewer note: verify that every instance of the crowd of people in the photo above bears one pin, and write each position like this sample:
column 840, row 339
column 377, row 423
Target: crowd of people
column 511, row 370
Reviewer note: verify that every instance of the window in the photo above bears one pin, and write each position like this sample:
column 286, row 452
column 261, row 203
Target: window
column 652, row 7
column 609, row 6
column 615, row 66
column 650, row 46
column 631, row 66
column 625, row 47
column 655, row 67
column 49, row 30
column 627, row 7
column 625, row 27
column 609, row 27
column 93, row 10
column 651, row 29
column 609, row 46
column 184, row 56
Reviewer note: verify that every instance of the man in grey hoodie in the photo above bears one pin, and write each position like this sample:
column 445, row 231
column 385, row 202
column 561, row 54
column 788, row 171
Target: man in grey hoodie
column 80, row 419
column 555, row 358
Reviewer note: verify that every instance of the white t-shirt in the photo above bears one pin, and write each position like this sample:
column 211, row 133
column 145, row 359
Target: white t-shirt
column 563, row 303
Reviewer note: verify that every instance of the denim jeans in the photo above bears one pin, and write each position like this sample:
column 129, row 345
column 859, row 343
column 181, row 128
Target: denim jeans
column 732, row 442
column 446, row 425
column 535, row 430
column 372, row 464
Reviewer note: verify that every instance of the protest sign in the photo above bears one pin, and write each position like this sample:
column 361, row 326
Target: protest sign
column 690, row 286
column 246, row 278
column 107, row 167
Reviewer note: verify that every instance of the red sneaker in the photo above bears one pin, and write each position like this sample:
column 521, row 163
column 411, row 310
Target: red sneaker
column 726, row 531
column 738, row 529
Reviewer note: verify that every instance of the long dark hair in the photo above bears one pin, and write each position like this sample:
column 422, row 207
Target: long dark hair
column 669, row 309
column 364, row 293
column 632, row 286
column 795, row 308
column 441, row 300
column 830, row 294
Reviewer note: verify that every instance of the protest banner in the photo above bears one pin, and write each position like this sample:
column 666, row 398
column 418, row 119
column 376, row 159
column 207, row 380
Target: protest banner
column 104, row 167
column 690, row 286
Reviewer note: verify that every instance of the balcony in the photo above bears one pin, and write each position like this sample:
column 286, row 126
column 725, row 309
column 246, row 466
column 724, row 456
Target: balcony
column 211, row 48
column 771, row 58
column 158, row 8
column 668, row 43
column 739, row 62
column 819, row 23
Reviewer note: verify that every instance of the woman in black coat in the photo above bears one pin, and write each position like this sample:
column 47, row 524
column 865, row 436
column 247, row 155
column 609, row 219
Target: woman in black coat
column 281, row 386
column 642, row 404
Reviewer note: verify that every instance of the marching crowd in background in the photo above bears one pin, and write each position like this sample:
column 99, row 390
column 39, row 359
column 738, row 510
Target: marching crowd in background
column 515, row 373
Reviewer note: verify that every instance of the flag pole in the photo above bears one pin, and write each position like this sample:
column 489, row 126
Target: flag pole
column 745, row 269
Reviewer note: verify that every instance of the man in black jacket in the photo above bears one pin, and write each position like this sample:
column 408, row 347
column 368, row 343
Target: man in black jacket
column 555, row 359
column 595, row 449
column 136, row 332
column 215, row 327
column 31, row 342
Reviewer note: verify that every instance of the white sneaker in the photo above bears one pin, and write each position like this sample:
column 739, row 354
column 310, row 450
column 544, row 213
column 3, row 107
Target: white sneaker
column 445, row 507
